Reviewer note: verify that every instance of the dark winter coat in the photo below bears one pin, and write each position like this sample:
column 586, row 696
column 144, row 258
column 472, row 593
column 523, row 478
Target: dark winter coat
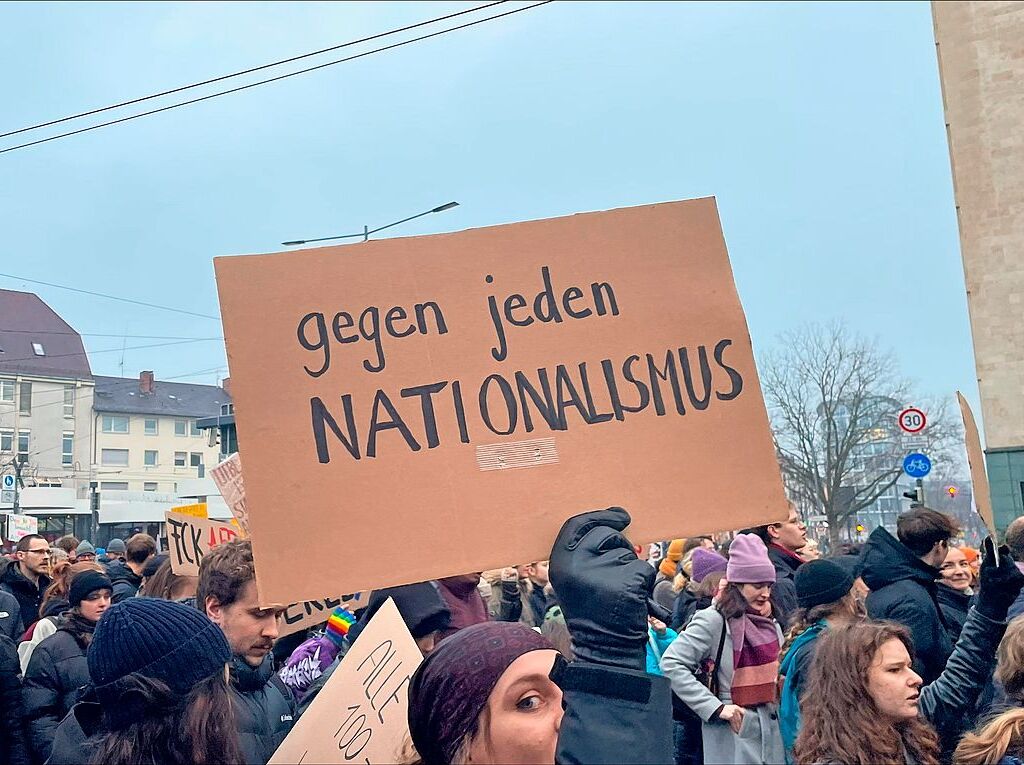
column 56, row 676
column 10, row 616
column 903, row 589
column 264, row 709
column 13, row 749
column 686, row 605
column 612, row 716
column 28, row 595
column 76, row 735
column 126, row 582
column 786, row 563
column 954, row 606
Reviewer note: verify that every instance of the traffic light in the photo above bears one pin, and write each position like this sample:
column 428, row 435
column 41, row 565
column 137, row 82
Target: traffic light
column 916, row 496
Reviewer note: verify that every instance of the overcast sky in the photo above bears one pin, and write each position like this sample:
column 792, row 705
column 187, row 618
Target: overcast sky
column 819, row 128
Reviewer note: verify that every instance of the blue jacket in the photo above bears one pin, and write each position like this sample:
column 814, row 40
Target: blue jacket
column 656, row 646
column 796, row 668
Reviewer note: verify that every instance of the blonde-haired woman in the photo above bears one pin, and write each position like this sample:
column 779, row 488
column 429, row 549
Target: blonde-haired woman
column 1001, row 740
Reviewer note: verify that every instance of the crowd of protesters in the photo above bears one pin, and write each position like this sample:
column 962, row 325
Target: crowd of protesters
column 752, row 650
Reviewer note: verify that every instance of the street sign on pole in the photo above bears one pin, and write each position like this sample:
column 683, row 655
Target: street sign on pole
column 912, row 420
column 917, row 465
column 7, row 496
column 8, row 482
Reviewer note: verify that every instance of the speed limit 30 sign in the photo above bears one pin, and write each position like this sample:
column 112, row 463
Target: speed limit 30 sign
column 912, row 420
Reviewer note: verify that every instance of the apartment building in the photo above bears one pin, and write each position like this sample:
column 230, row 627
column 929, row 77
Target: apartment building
column 145, row 432
column 46, row 396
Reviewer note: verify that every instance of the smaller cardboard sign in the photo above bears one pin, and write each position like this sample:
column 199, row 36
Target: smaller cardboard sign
column 189, row 538
column 309, row 613
column 361, row 713
column 20, row 526
column 976, row 461
column 197, row 510
column 228, row 477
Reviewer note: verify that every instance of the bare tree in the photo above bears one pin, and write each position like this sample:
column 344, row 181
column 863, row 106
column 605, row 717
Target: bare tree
column 833, row 399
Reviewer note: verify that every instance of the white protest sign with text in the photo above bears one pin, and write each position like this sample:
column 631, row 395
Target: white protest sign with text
column 361, row 713
column 189, row 538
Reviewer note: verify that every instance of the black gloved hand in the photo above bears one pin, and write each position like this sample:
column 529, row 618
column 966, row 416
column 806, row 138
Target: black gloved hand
column 603, row 589
column 1000, row 583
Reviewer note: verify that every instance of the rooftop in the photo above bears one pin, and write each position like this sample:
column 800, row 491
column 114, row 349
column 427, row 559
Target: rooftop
column 34, row 340
column 125, row 395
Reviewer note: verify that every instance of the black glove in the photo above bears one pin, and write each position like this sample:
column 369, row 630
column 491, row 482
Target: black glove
column 1000, row 583
column 603, row 589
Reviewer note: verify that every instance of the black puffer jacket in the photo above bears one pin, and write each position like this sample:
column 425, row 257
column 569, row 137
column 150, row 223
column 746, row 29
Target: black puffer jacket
column 28, row 595
column 686, row 605
column 784, row 592
column 10, row 616
column 954, row 606
column 13, row 750
column 903, row 590
column 126, row 582
column 265, row 710
column 56, row 676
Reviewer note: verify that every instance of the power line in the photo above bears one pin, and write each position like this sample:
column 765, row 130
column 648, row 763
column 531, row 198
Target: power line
column 110, row 350
column 109, row 297
column 272, row 79
column 99, row 334
column 249, row 71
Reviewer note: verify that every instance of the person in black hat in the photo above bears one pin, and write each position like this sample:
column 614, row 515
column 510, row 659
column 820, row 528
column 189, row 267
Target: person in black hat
column 57, row 671
column 159, row 692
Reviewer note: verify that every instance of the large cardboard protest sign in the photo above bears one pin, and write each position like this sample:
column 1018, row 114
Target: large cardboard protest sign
column 976, row 462
column 310, row 613
column 361, row 713
column 190, row 538
column 457, row 397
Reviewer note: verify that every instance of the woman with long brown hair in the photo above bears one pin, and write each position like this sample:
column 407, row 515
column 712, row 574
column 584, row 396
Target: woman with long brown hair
column 865, row 704
column 735, row 645
column 159, row 677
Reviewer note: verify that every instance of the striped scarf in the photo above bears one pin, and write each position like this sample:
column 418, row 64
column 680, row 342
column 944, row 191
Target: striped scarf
column 755, row 645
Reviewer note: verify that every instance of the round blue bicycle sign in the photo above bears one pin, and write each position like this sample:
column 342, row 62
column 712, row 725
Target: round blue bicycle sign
column 917, row 465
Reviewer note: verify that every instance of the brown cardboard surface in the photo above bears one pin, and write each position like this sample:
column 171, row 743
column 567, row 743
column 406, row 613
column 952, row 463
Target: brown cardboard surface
column 456, row 507
column 198, row 510
column 361, row 713
column 189, row 538
column 302, row 616
column 976, row 461
column 228, row 477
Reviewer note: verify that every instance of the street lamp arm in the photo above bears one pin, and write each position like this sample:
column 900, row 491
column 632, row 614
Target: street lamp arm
column 365, row 234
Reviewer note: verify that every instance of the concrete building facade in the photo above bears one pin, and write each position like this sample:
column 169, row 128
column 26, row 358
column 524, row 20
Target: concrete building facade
column 980, row 49
column 146, row 438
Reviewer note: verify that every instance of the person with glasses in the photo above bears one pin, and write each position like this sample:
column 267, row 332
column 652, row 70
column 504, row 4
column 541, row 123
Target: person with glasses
column 901, row 574
column 27, row 576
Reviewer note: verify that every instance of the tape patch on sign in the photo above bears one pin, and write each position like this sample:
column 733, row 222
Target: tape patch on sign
column 517, row 454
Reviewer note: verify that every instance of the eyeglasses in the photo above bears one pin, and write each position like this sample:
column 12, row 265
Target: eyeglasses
column 44, row 551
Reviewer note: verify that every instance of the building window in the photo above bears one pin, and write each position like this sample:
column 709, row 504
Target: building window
column 23, row 442
column 194, row 428
column 197, row 459
column 149, row 486
column 67, row 447
column 114, row 424
column 152, row 427
column 25, row 398
column 69, row 401
column 150, row 458
column 6, row 441
column 113, row 486
column 37, row 349
column 7, row 391
column 180, row 458
column 114, row 457
column 181, row 427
